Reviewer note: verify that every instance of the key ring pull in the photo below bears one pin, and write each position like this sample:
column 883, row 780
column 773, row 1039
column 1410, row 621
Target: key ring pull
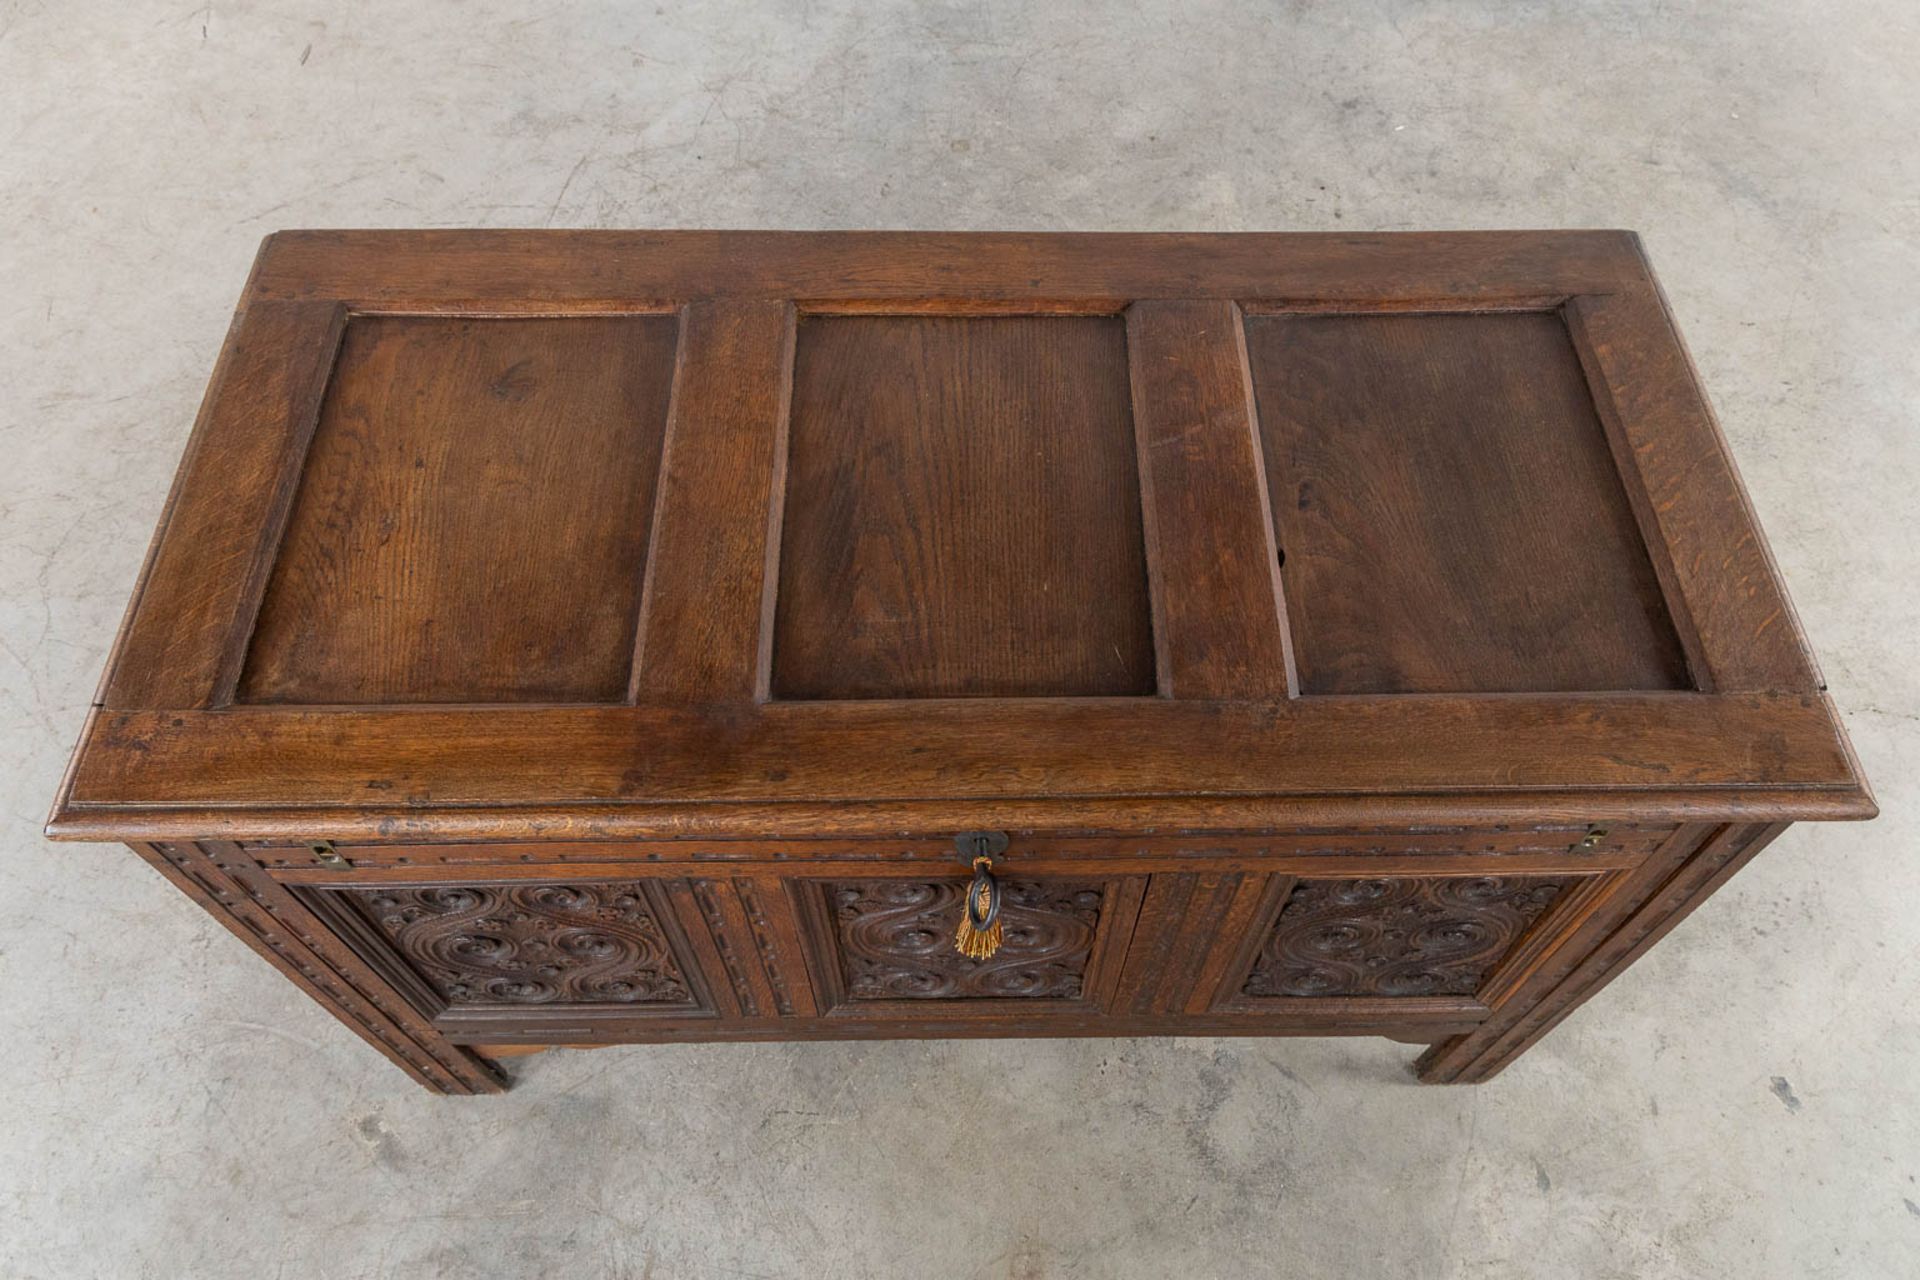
column 979, row 934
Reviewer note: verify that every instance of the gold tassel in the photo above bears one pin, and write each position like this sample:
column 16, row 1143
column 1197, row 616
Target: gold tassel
column 979, row 933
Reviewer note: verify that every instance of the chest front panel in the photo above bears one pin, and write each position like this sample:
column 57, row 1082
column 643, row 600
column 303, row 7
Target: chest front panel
column 589, row 942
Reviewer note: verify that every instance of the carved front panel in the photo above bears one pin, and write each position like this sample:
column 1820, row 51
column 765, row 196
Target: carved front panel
column 532, row 944
column 1401, row 937
column 895, row 940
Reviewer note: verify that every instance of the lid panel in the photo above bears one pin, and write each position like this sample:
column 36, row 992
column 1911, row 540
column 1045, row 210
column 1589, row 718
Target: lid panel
column 1448, row 511
column 520, row 535
column 962, row 512
column 471, row 522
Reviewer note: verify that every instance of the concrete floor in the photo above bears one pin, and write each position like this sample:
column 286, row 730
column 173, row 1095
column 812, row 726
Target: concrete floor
column 1744, row 1103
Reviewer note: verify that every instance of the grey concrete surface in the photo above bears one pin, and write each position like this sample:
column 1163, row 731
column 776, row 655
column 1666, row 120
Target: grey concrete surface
column 1744, row 1103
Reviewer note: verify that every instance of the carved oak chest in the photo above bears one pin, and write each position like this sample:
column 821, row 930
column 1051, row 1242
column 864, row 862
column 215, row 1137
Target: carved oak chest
column 579, row 637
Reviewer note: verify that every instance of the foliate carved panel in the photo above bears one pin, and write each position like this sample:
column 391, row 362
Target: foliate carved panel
column 895, row 939
column 532, row 944
column 1400, row 937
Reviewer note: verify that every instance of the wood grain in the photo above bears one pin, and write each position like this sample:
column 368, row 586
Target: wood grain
column 471, row 524
column 1645, row 906
column 703, row 635
column 1574, row 844
column 276, row 924
column 1201, row 814
column 1220, row 629
column 1696, row 508
column 181, row 641
column 1411, row 1020
column 1180, row 916
column 962, row 513
column 726, row 571
column 1449, row 512
column 939, row 271
column 981, row 750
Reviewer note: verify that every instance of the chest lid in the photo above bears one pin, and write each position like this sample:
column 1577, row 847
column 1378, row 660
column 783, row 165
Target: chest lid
column 564, row 532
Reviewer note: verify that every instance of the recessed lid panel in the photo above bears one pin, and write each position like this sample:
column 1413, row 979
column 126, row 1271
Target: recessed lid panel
column 471, row 520
column 962, row 512
column 1448, row 510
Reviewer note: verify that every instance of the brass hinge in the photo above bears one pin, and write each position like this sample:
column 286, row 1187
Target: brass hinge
column 1592, row 839
column 327, row 855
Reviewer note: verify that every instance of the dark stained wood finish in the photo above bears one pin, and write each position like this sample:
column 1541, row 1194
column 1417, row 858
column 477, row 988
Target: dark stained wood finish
column 1404, row 936
column 1410, row 1021
column 465, row 271
column 1181, row 914
column 192, row 613
column 1449, row 512
column 1690, row 495
column 533, row 946
column 351, row 985
column 962, row 512
column 710, row 580
column 472, row 519
column 1217, row 607
column 622, row 861
column 1353, row 634
column 1617, row 845
column 1643, row 908
column 1203, row 815
column 1081, row 753
column 881, row 946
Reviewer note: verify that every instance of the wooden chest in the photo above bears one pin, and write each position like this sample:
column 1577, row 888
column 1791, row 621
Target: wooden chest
column 580, row 637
